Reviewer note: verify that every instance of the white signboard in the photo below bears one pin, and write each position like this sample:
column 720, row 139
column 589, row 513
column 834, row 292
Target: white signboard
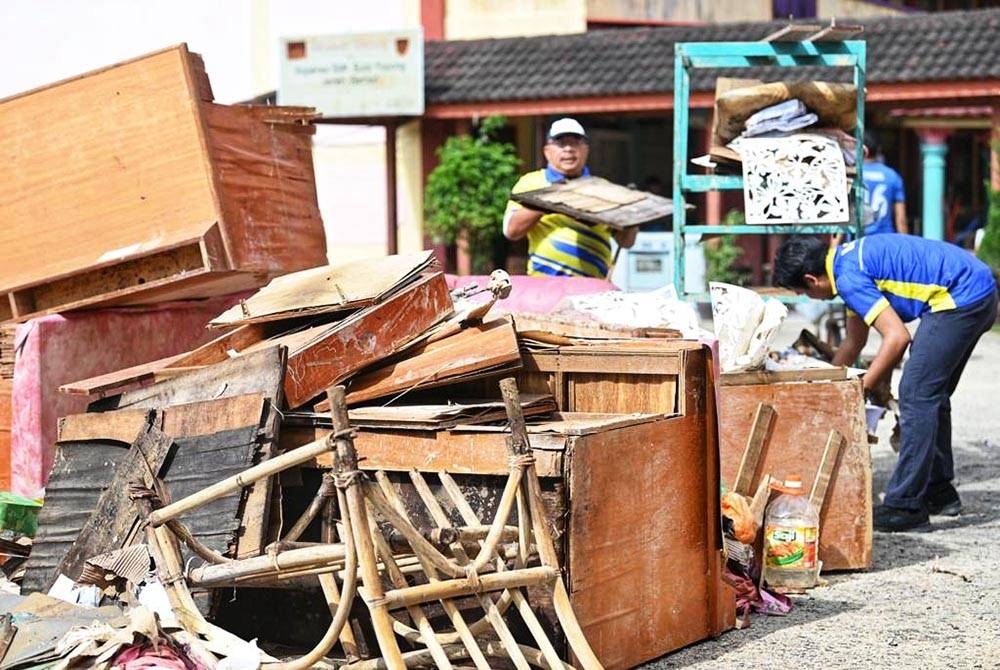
column 355, row 74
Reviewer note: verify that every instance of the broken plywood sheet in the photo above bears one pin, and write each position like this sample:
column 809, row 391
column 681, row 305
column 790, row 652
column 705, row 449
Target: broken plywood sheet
column 473, row 352
column 322, row 356
column 214, row 439
column 220, row 349
column 330, row 288
column 259, row 372
column 597, row 200
column 114, row 522
column 547, row 330
column 443, row 416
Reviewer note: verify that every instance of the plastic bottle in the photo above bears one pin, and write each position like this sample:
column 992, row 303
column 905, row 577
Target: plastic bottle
column 791, row 537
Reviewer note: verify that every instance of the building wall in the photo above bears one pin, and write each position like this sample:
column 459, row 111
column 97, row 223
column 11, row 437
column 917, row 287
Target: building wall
column 852, row 8
column 474, row 19
column 683, row 11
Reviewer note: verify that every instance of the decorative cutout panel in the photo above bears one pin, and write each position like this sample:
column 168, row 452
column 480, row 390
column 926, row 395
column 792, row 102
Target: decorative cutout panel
column 797, row 179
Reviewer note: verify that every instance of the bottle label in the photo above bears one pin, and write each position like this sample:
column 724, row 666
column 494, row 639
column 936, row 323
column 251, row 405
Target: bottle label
column 792, row 547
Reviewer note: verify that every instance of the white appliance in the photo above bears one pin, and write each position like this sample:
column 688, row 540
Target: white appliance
column 649, row 264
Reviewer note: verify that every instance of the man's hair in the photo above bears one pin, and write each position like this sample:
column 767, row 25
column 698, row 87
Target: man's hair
column 797, row 257
column 873, row 142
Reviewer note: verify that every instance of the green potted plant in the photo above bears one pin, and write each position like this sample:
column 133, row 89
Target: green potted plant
column 467, row 192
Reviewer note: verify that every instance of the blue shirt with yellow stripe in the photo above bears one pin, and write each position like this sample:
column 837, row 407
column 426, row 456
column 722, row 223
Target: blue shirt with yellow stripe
column 559, row 244
column 912, row 274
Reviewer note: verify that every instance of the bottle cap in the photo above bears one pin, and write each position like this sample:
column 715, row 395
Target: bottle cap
column 793, row 481
column 792, row 484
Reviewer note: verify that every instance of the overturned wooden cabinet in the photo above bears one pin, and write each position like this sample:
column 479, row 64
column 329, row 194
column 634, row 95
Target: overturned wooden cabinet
column 128, row 185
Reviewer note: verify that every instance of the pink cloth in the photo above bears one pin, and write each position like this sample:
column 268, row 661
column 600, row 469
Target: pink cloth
column 164, row 656
column 536, row 295
column 61, row 348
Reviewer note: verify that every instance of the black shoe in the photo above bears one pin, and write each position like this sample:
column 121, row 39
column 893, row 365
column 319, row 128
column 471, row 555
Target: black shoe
column 943, row 500
column 897, row 520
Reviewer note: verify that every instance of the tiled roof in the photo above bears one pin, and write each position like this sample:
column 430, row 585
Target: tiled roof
column 942, row 46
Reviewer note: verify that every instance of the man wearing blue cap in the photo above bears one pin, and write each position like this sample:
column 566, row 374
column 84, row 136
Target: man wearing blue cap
column 559, row 244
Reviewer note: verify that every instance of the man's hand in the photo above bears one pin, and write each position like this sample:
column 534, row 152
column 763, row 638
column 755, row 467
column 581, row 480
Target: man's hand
column 879, row 395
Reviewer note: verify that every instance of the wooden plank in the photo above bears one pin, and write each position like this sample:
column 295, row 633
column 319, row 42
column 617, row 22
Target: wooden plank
column 115, row 520
column 837, row 33
column 642, row 552
column 325, row 289
column 323, row 356
column 792, row 33
column 257, row 372
column 760, row 432
column 260, row 373
column 443, row 416
column 262, row 170
column 563, row 330
column 774, row 377
column 124, row 169
column 117, row 426
column 831, row 454
column 641, row 356
column 572, row 424
column 477, row 348
column 145, row 374
column 432, row 451
column 807, row 413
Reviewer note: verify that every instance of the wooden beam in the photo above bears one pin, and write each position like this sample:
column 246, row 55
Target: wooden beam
column 831, row 453
column 763, row 422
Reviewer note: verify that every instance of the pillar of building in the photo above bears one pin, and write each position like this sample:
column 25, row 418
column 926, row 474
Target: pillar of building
column 994, row 141
column 933, row 149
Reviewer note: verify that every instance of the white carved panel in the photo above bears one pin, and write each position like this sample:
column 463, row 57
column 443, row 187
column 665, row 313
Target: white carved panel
column 796, row 179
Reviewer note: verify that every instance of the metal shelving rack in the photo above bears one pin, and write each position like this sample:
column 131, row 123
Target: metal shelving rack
column 691, row 55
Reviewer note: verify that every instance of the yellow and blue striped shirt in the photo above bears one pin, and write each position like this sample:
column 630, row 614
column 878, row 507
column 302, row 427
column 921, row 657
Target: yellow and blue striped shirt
column 912, row 274
column 559, row 244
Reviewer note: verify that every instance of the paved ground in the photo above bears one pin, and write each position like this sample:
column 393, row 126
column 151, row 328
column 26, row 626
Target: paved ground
column 931, row 600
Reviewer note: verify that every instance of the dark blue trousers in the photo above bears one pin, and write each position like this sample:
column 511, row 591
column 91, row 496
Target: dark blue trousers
column 940, row 349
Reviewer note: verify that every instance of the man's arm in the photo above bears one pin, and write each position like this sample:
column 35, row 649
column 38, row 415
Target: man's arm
column 520, row 222
column 899, row 214
column 857, row 336
column 895, row 340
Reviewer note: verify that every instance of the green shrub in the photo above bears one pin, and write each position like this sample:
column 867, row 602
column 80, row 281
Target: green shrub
column 989, row 248
column 468, row 191
column 722, row 253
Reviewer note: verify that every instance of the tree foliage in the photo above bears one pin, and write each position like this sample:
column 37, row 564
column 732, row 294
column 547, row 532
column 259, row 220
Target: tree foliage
column 468, row 190
column 722, row 253
column 989, row 248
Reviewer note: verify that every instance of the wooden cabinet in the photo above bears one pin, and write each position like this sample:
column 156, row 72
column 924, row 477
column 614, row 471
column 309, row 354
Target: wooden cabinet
column 128, row 185
column 806, row 412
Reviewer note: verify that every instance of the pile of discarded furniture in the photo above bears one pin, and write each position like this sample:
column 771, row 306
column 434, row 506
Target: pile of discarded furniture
column 331, row 462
